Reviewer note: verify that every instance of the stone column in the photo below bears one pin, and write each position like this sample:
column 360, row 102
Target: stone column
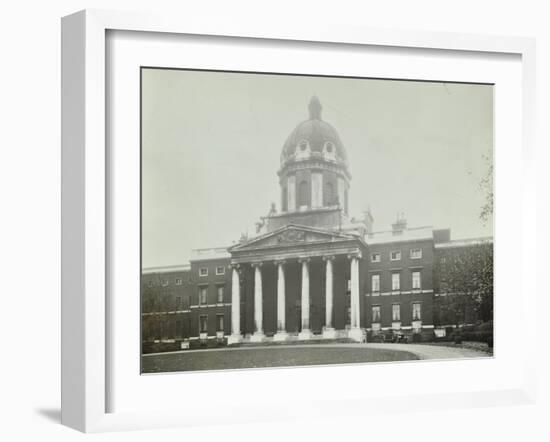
column 235, row 336
column 328, row 329
column 258, row 335
column 281, row 334
column 356, row 332
column 306, row 332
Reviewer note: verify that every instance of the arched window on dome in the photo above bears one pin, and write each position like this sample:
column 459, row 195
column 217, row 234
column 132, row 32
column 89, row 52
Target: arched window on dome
column 329, row 195
column 303, row 194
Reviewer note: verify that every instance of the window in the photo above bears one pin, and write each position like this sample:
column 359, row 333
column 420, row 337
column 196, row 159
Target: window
column 221, row 290
column 203, row 295
column 349, row 285
column 375, row 257
column 203, row 271
column 178, row 302
column 329, row 195
column 395, row 281
column 203, row 324
column 329, row 147
column 375, row 313
column 375, row 283
column 417, row 312
column 179, row 281
column 219, row 323
column 396, row 312
column 164, row 282
column 150, row 284
column 303, row 194
column 179, row 328
column 395, row 256
column 220, row 270
column 416, row 282
column 303, row 145
column 348, row 315
column 416, row 253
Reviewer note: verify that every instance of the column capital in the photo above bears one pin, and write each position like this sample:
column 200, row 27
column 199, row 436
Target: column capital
column 278, row 262
column 235, row 266
column 304, row 259
column 329, row 257
column 356, row 255
column 256, row 264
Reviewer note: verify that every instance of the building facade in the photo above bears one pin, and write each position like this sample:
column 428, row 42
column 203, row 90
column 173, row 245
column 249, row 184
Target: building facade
column 311, row 271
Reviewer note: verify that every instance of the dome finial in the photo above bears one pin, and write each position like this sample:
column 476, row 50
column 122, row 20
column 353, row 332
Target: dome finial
column 315, row 108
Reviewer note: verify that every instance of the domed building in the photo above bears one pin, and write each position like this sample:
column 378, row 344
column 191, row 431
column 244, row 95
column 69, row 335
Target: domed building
column 314, row 175
column 312, row 272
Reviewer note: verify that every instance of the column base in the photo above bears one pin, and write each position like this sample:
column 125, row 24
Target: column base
column 234, row 339
column 257, row 337
column 280, row 336
column 305, row 335
column 329, row 333
column 357, row 334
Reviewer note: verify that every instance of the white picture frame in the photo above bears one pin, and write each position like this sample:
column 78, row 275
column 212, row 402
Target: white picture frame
column 86, row 200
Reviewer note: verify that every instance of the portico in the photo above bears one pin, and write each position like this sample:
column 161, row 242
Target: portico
column 310, row 254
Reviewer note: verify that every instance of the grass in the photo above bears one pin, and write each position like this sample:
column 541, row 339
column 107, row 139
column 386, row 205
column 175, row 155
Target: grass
column 267, row 357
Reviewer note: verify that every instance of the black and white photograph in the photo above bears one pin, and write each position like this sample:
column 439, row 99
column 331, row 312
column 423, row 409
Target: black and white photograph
column 294, row 220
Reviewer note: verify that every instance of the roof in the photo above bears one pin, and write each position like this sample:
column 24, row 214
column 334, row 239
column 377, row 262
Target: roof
column 464, row 242
column 409, row 234
column 166, row 269
column 316, row 132
column 209, row 254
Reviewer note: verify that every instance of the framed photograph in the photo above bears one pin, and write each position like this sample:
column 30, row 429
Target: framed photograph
column 252, row 212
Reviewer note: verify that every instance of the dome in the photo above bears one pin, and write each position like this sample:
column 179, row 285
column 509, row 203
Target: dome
column 314, row 137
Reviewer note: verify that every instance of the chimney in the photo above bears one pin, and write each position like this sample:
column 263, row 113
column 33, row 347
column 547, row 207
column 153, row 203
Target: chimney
column 400, row 224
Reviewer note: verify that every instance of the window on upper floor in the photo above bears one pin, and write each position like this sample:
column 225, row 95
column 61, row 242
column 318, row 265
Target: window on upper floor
column 164, row 283
column 220, row 270
column 203, row 292
column 179, row 281
column 203, row 271
column 375, row 283
column 416, row 253
column 375, row 257
column 395, row 281
column 416, row 280
column 221, row 291
column 395, row 255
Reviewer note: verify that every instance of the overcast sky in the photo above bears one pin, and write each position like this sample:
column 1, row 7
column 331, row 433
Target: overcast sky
column 212, row 143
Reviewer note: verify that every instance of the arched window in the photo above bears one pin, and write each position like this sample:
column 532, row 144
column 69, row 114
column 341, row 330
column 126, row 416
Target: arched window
column 346, row 201
column 284, row 200
column 329, row 195
column 303, row 194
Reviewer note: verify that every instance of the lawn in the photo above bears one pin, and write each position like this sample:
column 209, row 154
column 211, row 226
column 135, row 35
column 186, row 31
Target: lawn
column 268, row 357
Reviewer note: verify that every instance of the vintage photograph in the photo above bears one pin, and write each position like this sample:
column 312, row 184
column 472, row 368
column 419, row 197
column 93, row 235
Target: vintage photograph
column 295, row 220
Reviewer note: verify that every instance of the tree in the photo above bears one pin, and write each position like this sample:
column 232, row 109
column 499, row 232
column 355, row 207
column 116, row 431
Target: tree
column 486, row 186
column 465, row 279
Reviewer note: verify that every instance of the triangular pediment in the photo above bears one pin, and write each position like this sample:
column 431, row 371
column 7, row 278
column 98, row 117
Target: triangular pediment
column 291, row 235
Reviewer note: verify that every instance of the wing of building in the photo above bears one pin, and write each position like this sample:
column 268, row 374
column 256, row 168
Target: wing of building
column 312, row 271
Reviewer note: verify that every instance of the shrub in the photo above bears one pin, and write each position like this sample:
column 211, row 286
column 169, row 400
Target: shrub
column 457, row 337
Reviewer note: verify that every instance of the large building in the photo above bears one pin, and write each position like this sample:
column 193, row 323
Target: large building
column 311, row 272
